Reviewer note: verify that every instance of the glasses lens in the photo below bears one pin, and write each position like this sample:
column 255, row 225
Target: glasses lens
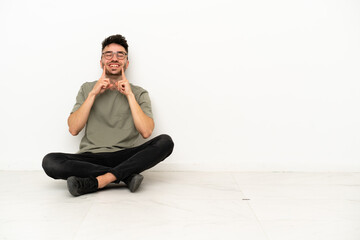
column 120, row 55
column 108, row 55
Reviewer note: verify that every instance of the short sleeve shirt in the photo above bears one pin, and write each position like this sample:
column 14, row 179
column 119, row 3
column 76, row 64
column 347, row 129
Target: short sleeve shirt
column 110, row 126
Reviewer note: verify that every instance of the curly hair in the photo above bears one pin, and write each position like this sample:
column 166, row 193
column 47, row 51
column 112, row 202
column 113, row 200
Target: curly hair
column 118, row 39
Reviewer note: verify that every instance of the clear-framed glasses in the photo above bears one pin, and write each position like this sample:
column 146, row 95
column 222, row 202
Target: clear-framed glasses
column 109, row 55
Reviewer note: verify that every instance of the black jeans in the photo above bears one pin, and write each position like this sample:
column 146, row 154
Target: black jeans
column 122, row 163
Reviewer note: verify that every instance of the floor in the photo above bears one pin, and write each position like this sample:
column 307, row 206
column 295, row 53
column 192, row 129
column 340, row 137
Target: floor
column 185, row 205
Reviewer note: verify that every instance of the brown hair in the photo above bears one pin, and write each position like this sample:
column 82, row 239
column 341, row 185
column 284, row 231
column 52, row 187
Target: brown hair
column 118, row 39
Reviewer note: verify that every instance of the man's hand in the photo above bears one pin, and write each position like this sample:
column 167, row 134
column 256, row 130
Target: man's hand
column 102, row 84
column 123, row 86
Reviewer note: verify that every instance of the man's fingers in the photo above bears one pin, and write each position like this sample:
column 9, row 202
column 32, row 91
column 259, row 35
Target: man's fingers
column 119, row 85
column 123, row 73
column 105, row 83
column 104, row 72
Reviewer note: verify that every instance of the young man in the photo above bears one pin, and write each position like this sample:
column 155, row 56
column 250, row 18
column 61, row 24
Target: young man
column 115, row 113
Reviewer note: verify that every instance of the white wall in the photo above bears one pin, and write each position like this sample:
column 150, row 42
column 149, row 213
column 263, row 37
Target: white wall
column 239, row 85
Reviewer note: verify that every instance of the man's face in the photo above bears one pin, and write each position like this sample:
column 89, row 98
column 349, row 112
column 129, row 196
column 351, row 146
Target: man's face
column 114, row 65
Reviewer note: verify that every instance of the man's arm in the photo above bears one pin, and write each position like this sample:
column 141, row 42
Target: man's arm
column 143, row 123
column 78, row 119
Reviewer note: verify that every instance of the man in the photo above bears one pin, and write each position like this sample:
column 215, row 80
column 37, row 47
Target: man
column 115, row 114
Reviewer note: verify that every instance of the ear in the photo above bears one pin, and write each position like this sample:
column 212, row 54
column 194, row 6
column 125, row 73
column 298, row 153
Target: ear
column 127, row 64
column 101, row 64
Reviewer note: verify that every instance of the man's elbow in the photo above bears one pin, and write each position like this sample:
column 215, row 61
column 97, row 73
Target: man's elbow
column 146, row 134
column 73, row 132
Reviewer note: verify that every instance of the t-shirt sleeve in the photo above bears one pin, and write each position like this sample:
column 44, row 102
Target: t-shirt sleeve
column 145, row 103
column 80, row 99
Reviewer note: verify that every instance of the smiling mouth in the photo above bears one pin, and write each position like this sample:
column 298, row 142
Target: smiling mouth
column 114, row 65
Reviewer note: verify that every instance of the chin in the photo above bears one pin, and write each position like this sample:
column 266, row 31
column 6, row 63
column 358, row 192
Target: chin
column 114, row 72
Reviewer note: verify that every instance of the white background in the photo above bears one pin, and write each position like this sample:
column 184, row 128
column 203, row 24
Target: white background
column 239, row 85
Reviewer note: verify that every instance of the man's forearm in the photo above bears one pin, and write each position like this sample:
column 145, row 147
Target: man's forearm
column 78, row 119
column 143, row 123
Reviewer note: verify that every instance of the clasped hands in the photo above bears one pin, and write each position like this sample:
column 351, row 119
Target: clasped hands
column 103, row 84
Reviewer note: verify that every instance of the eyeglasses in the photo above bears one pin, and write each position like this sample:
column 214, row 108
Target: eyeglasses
column 109, row 55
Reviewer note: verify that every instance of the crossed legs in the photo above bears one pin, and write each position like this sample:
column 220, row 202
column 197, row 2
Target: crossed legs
column 109, row 167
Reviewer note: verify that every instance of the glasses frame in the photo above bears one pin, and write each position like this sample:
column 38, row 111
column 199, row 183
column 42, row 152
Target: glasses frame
column 118, row 55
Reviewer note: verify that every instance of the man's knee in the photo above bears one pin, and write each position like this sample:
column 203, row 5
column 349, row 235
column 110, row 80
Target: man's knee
column 50, row 164
column 166, row 143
